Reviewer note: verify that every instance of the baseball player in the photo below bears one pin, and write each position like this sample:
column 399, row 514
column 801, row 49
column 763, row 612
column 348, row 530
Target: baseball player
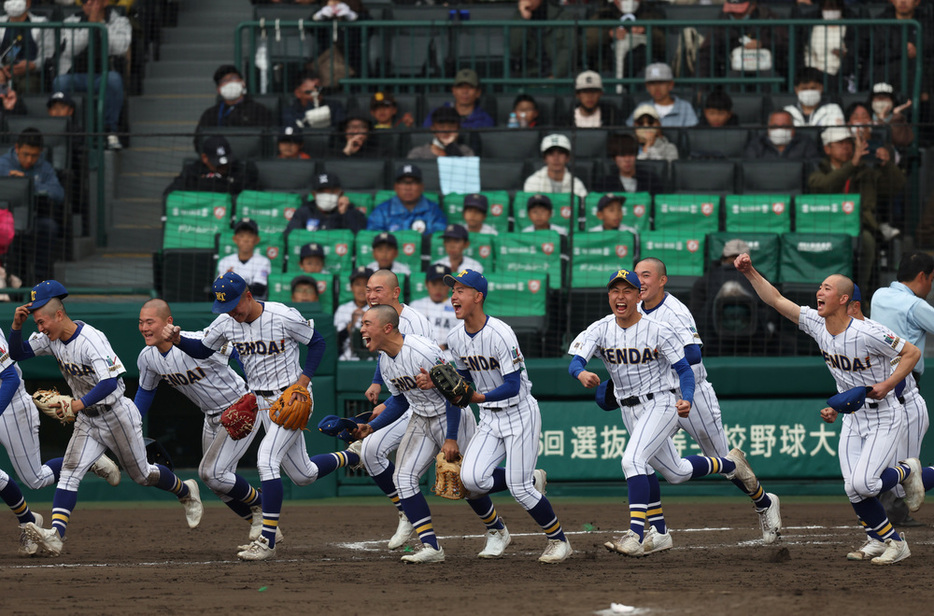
column 213, row 386
column 642, row 355
column 859, row 353
column 436, row 306
column 703, row 423
column 105, row 418
column 267, row 336
column 486, row 351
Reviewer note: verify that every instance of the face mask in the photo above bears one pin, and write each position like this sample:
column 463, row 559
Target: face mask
column 832, row 14
column 780, row 136
column 809, row 98
column 628, row 6
column 14, row 8
column 644, row 134
column 232, row 90
column 881, row 107
column 326, row 202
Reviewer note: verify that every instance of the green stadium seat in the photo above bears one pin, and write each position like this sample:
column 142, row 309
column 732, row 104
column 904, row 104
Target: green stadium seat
column 516, row 295
column 564, row 212
column 481, row 249
column 410, row 248
column 694, row 214
column 763, row 248
column 811, row 257
column 497, row 216
column 758, row 213
column 597, row 253
column 362, row 201
column 193, row 219
column 530, row 253
column 338, row 249
column 271, row 211
column 272, row 245
column 636, row 211
column 682, row 252
column 280, row 289
column 827, row 214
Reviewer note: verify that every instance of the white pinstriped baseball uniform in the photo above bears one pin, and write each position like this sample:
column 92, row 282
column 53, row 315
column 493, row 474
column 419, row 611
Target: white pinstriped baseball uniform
column 861, row 356
column 398, row 267
column 213, row 386
column 254, row 271
column 639, row 359
column 466, row 263
column 508, row 428
column 425, row 431
column 441, row 316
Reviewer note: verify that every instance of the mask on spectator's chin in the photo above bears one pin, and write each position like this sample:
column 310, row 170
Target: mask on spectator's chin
column 232, row 90
column 14, row 8
column 628, row 7
column 326, row 202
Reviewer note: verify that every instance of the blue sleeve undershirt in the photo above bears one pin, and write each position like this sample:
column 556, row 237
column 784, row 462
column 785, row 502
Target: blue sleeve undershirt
column 143, row 400
column 378, row 376
column 19, row 348
column 686, row 375
column 453, row 416
column 577, row 365
column 9, row 382
column 508, row 389
column 692, row 353
column 395, row 407
column 315, row 354
column 194, row 348
column 100, row 391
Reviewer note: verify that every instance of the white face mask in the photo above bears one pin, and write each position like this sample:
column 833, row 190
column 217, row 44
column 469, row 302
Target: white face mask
column 881, row 107
column 644, row 134
column 232, row 90
column 832, row 14
column 780, row 136
column 326, row 202
column 809, row 98
column 628, row 6
column 14, row 8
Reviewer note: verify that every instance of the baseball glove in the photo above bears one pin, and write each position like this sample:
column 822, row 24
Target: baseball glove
column 292, row 415
column 239, row 419
column 448, row 478
column 45, row 398
column 452, row 385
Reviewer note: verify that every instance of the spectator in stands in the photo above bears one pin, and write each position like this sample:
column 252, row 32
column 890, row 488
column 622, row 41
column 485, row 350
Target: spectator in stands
column 859, row 119
column 24, row 52
column 718, row 111
column 526, row 110
column 311, row 258
column 248, row 262
column 330, row 209
column 623, row 149
column 348, row 316
column 476, row 207
column 610, row 213
column 354, row 139
column 445, row 127
column 653, row 145
column 305, row 290
column 236, row 107
column 555, row 177
column 540, row 210
column 408, row 209
column 781, row 141
column 289, row 144
column 831, row 48
column 888, row 51
column 383, row 108
column 73, row 68
column 60, row 105
column 673, row 111
column 590, row 111
column 12, row 103
column 810, row 110
column 437, row 306
column 456, row 242
column 467, row 92
column 626, row 45
column 887, row 112
column 217, row 171
column 311, row 109
column 844, row 171
column 385, row 253
column 539, row 52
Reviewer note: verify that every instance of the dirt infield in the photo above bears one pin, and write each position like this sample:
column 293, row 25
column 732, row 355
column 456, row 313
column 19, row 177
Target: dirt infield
column 334, row 561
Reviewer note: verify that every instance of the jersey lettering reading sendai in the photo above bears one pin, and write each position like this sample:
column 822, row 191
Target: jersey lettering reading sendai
column 85, row 360
column 671, row 310
column 399, row 374
column 639, row 358
column 210, row 383
column 268, row 347
column 489, row 355
column 859, row 356
column 441, row 317
column 412, row 321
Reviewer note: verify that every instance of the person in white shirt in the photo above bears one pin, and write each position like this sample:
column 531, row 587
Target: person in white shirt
column 249, row 264
column 610, row 213
column 437, row 307
column 385, row 252
column 555, row 177
column 476, row 207
column 539, row 208
column 808, row 111
column 456, row 241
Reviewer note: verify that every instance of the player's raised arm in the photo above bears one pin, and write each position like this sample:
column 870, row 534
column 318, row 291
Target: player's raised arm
column 910, row 355
column 767, row 293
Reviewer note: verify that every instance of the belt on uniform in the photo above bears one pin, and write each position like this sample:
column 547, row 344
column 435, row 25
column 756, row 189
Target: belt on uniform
column 875, row 405
column 497, row 409
column 93, row 411
column 266, row 393
column 217, row 414
column 635, row 400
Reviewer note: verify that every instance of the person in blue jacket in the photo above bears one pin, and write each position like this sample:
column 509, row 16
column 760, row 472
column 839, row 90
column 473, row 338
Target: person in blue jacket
column 409, row 209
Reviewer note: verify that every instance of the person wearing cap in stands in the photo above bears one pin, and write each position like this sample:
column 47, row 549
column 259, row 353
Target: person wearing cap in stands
column 385, row 253
column 540, row 210
column 311, row 259
column 610, row 213
column 289, row 144
column 408, row 209
column 354, row 139
column 555, row 177
column 304, row 290
column 383, row 110
column 60, row 105
column 436, row 307
column 330, row 208
column 236, row 107
column 886, row 111
column 445, row 124
column 456, row 241
column 467, row 92
column 476, row 206
column 310, row 108
column 623, row 149
column 590, row 111
column 671, row 110
column 653, row 145
column 348, row 317
column 217, row 171
column 544, row 51
column 248, row 262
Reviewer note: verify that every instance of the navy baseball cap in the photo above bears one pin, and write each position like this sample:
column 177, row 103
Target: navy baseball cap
column 437, row 272
column 849, row 401
column 313, row 249
column 857, row 296
column 217, row 149
column 539, row 201
column 385, row 238
column 478, row 201
column 304, row 280
column 629, row 276
column 60, row 97
column 247, row 225
column 409, row 170
column 327, row 180
column 44, row 291
column 227, row 292
column 291, row 134
column 607, row 199
column 361, row 272
column 468, row 278
column 455, row 232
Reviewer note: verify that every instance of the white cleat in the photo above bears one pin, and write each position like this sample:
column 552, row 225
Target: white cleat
column 894, row 552
column 192, row 503
column 770, row 519
column 540, row 479
column 628, row 545
column 655, row 541
column 426, row 554
column 107, row 469
column 913, row 484
column 872, row 548
column 48, row 541
column 258, row 550
column 555, row 552
column 497, row 540
column 403, row 532
column 256, row 527
column 743, row 470
column 356, row 447
column 27, row 546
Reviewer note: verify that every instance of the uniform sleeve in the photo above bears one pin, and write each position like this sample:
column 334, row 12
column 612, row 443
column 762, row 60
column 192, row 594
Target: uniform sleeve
column 809, row 320
column 393, row 390
column 452, row 347
column 148, row 378
column 585, row 344
column 670, row 345
column 215, row 336
column 298, row 327
column 507, row 351
column 882, row 341
column 102, row 359
column 40, row 344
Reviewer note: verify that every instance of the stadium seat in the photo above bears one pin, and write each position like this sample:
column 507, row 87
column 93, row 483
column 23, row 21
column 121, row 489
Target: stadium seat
column 564, row 213
column 497, row 216
column 811, row 257
column 271, row 245
column 750, row 108
column 589, row 143
column 661, row 168
column 185, row 274
column 338, row 247
column 246, row 142
column 715, row 143
column 681, row 251
column 637, row 210
column 193, row 219
column 358, row 174
column 362, row 201
column 500, row 175
column 481, row 249
column 534, row 251
column 827, row 214
column 510, row 144
column 763, row 248
column 773, row 176
column 517, row 294
column 270, row 210
column 54, row 131
column 758, row 213
column 286, row 174
column 272, row 102
column 16, row 195
column 699, row 214
column 410, row 248
column 693, row 176
column 582, row 168
column 594, row 255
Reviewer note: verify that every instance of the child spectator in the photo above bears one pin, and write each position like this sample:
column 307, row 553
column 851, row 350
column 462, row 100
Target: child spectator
column 623, row 149
column 671, row 110
column 408, row 209
column 590, row 112
column 526, row 110
column 445, row 125
column 718, row 111
column 385, row 253
column 808, row 111
column 437, row 306
column 329, row 208
column 311, row 259
column 383, row 109
column 476, row 207
column 305, row 290
column 610, row 213
column 348, row 316
column 456, row 241
column 653, row 145
column 555, row 177
column 290, row 143
column 248, row 263
column 60, row 105
column 539, row 208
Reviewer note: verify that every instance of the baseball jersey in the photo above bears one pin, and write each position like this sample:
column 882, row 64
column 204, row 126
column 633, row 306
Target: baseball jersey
column 639, row 358
column 397, row 267
column 412, row 321
column 622, row 227
column 6, row 361
column 911, row 317
column 671, row 310
column 399, row 374
column 210, row 383
column 489, row 355
column 342, row 318
column 553, row 227
column 488, row 229
column 268, row 347
column 85, row 360
column 441, row 317
column 466, row 263
column 254, row 271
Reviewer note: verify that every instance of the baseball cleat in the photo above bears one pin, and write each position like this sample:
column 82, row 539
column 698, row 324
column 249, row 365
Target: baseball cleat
column 256, row 527
column 629, row 544
column 426, row 554
column 27, row 546
column 872, row 548
column 403, row 532
column 555, row 552
column 107, row 469
column 914, row 486
column 894, row 552
column 356, row 447
column 497, row 540
column 192, row 503
column 655, row 541
column 48, row 541
column 770, row 519
column 743, row 470
column 540, row 479
column 258, row 550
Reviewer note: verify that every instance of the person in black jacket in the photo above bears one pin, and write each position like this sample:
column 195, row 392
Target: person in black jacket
column 623, row 148
column 236, row 107
column 330, row 209
column 590, row 111
column 781, row 141
column 217, row 171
